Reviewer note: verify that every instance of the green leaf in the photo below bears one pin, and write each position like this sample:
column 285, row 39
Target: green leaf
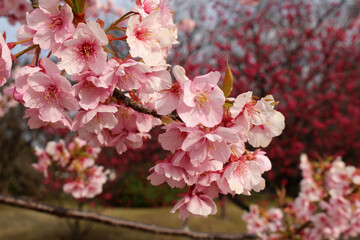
column 228, row 81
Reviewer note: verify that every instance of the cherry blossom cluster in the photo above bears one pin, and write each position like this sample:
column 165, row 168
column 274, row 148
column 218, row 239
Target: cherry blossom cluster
column 259, row 43
column 208, row 147
column 75, row 165
column 83, row 85
column 327, row 206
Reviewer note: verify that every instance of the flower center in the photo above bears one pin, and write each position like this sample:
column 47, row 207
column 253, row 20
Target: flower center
column 143, row 34
column 203, row 100
column 51, row 94
column 56, row 23
column 86, row 50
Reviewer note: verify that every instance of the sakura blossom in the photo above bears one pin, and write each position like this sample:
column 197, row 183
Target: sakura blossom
column 50, row 94
column 198, row 205
column 90, row 89
column 52, row 24
column 202, row 101
column 84, row 51
column 5, row 61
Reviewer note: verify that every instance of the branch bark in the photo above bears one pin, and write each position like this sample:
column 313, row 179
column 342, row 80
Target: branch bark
column 129, row 102
column 116, row 222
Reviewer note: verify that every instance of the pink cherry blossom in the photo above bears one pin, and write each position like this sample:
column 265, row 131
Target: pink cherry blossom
column 49, row 93
column 129, row 75
column 169, row 95
column 5, row 61
column 202, row 102
column 91, row 122
column 52, row 23
column 142, row 38
column 21, row 81
column 174, row 136
column 198, row 205
column 35, row 121
column 166, row 172
column 90, row 89
column 242, row 176
column 201, row 145
column 84, row 51
column 151, row 39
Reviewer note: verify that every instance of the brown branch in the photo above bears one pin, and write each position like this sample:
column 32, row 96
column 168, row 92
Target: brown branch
column 116, row 222
column 129, row 102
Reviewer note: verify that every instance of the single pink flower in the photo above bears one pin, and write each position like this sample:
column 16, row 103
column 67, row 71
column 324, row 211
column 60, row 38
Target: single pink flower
column 131, row 75
column 202, row 145
column 169, row 95
column 90, row 89
column 85, row 50
column 199, row 205
column 202, row 102
column 143, row 39
column 35, row 122
column 49, row 93
column 52, row 23
column 94, row 120
column 166, row 172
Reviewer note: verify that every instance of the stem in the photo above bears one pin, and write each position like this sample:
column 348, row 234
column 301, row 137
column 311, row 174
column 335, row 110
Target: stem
column 25, row 51
column 112, row 47
column 22, row 41
column 37, row 54
column 124, row 17
column 108, row 50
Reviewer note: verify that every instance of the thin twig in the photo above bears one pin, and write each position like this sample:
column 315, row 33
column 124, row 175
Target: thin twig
column 116, row 222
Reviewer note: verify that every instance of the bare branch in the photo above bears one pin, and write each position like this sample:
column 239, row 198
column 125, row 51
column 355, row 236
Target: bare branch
column 116, row 222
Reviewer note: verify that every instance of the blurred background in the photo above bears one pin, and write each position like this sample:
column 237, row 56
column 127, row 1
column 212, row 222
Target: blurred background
column 304, row 52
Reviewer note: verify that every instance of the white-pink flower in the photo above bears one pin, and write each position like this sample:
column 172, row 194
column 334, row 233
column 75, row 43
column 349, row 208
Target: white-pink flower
column 169, row 95
column 94, row 120
column 196, row 204
column 49, row 93
column 90, row 89
column 52, row 23
column 202, row 102
column 85, row 50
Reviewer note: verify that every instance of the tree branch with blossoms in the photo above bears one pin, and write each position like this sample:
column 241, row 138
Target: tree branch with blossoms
column 115, row 102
